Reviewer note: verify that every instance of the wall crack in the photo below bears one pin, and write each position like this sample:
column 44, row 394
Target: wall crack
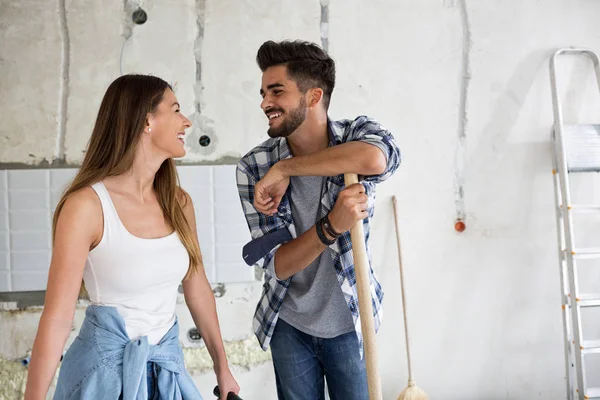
column 325, row 25
column 65, row 61
column 465, row 79
column 202, row 125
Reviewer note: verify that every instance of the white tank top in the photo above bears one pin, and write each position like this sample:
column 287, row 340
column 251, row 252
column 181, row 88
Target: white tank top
column 139, row 277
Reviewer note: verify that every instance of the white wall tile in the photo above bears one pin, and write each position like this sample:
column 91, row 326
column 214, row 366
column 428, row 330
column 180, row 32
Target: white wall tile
column 206, row 234
column 35, row 260
column 3, row 241
column 59, row 178
column 203, row 206
column 4, row 261
column 229, row 254
column 35, row 240
column 3, row 191
column 28, row 200
column 232, row 234
column 29, row 220
column 55, row 196
column 224, row 175
column 235, row 273
column 33, row 179
column 208, row 253
column 3, row 221
column 4, row 284
column 31, row 280
column 194, row 175
column 30, row 196
column 204, row 217
column 230, row 214
column 231, row 229
column 3, row 184
column 210, row 272
column 201, row 196
column 227, row 194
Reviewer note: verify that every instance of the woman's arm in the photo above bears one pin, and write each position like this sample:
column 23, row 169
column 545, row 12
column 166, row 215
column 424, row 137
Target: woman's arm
column 200, row 300
column 79, row 227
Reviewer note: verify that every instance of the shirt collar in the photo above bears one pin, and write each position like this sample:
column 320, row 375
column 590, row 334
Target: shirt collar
column 335, row 132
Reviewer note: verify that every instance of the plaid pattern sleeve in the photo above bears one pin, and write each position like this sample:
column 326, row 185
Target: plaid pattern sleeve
column 367, row 130
column 250, row 170
column 254, row 165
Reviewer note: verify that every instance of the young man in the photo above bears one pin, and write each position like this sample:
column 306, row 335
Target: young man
column 299, row 213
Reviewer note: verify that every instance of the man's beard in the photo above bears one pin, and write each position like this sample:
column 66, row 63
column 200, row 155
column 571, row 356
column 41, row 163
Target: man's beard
column 291, row 122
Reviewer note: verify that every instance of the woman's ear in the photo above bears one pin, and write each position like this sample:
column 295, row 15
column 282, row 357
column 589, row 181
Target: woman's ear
column 149, row 123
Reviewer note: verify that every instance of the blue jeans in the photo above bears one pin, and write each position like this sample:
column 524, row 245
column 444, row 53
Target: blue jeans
column 302, row 363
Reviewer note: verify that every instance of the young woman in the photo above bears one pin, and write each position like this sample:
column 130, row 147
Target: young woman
column 126, row 228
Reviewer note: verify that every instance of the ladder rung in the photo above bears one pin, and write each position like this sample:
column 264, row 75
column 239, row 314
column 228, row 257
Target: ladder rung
column 585, row 209
column 582, row 147
column 586, row 253
column 592, row 393
column 589, row 300
column 590, row 347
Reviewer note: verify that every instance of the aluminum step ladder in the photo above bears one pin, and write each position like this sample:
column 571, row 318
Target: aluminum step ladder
column 576, row 150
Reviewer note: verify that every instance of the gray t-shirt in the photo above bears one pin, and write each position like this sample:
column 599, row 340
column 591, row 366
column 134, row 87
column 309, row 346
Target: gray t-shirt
column 314, row 303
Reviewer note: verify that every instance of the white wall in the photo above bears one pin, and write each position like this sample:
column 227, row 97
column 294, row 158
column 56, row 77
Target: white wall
column 29, row 198
column 484, row 305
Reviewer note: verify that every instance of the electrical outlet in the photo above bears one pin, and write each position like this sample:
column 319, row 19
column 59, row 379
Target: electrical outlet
column 194, row 335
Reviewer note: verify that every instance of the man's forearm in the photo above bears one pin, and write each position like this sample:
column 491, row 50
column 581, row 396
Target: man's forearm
column 352, row 157
column 294, row 256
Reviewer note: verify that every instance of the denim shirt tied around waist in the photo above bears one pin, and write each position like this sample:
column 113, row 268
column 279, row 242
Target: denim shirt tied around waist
column 104, row 364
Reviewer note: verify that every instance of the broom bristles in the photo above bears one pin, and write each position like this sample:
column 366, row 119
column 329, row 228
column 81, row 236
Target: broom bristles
column 412, row 392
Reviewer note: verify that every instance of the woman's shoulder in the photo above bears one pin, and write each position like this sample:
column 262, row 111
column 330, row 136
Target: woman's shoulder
column 83, row 203
column 84, row 197
column 81, row 212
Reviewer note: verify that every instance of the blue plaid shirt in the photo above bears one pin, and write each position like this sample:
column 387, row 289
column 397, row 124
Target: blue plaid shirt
column 270, row 232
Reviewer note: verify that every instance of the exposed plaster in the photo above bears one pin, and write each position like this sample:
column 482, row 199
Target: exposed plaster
column 325, row 25
column 128, row 8
column 44, row 164
column 244, row 353
column 200, row 15
column 63, row 92
column 201, row 124
column 465, row 79
column 13, row 376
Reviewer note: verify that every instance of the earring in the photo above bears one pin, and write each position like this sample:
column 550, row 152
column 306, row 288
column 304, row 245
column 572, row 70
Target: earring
column 149, row 129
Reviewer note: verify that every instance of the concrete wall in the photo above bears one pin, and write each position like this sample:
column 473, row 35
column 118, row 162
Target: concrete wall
column 463, row 85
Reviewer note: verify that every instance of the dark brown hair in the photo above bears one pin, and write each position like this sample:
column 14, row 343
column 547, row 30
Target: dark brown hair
column 111, row 149
column 307, row 64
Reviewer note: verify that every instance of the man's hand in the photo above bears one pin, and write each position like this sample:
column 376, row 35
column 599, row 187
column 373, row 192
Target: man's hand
column 269, row 190
column 350, row 207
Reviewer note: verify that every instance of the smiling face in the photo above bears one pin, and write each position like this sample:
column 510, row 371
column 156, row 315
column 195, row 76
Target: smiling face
column 166, row 126
column 283, row 103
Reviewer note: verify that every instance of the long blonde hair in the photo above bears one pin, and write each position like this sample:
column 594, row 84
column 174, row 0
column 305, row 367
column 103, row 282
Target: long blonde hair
column 111, row 149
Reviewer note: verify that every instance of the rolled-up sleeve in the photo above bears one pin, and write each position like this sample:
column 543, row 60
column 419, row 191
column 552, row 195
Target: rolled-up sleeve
column 258, row 223
column 367, row 130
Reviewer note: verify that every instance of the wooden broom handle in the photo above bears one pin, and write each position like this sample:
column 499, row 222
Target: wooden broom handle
column 365, row 305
